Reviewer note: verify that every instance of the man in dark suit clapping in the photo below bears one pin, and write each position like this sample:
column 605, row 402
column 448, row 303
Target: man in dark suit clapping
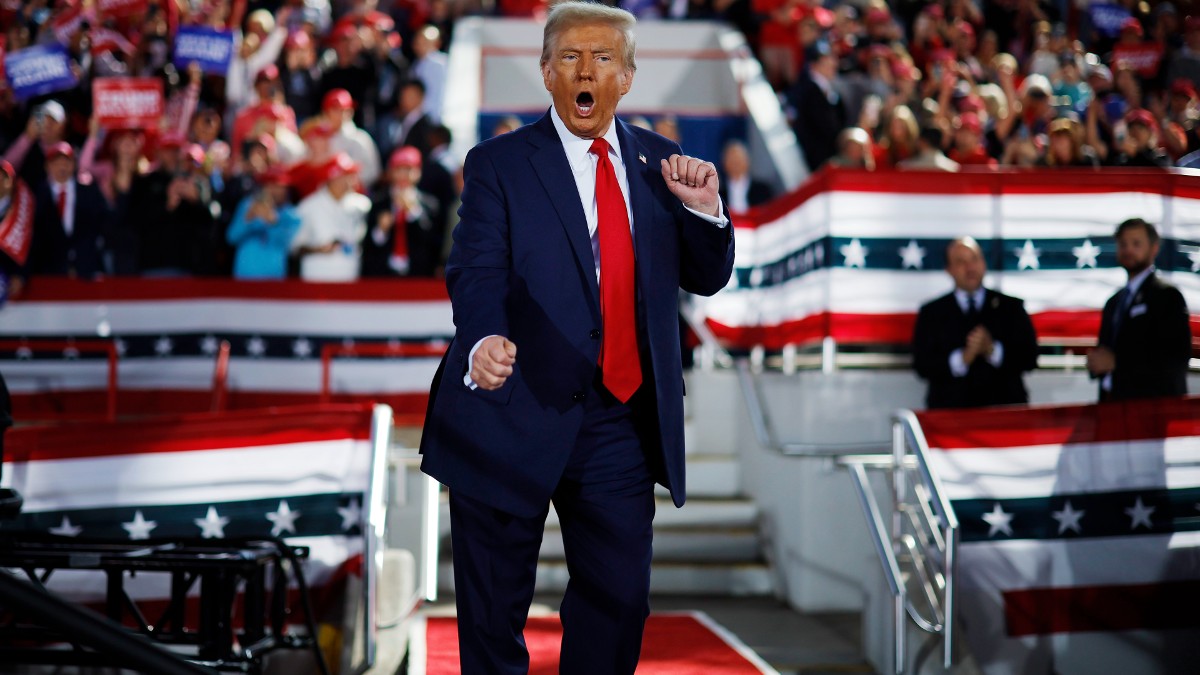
column 70, row 220
column 1145, row 340
column 973, row 345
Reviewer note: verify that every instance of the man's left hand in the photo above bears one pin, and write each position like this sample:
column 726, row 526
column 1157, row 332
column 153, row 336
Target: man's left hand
column 694, row 181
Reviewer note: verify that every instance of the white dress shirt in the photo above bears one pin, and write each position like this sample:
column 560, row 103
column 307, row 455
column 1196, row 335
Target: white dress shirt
column 583, row 169
column 68, row 218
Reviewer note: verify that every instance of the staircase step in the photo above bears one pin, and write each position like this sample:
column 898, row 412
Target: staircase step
column 700, row 546
column 742, row 580
column 710, row 476
column 723, row 514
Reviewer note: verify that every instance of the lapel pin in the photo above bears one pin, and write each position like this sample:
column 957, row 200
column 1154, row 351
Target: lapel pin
column 642, row 158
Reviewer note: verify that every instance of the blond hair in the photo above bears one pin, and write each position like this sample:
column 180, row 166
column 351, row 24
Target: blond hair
column 566, row 15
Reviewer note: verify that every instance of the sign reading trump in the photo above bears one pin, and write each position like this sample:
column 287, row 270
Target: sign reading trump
column 127, row 102
column 211, row 49
column 34, row 71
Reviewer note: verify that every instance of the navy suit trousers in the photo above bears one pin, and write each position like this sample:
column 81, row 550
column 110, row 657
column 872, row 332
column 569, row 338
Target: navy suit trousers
column 605, row 504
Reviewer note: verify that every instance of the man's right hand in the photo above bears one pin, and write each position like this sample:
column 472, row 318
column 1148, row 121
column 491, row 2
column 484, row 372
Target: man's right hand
column 493, row 362
column 1101, row 361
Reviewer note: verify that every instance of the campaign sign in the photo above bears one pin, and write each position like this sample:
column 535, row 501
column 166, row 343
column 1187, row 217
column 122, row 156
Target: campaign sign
column 211, row 49
column 1144, row 57
column 1107, row 19
column 127, row 102
column 43, row 69
column 121, row 8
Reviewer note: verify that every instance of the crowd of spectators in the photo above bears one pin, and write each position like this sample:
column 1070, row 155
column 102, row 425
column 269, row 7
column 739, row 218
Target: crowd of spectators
column 320, row 152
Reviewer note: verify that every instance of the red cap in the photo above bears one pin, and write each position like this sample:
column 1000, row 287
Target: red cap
column 1132, row 24
column 340, row 165
column 60, row 149
column 970, row 122
column 343, row 31
column 380, row 21
column 337, row 99
column 1141, row 116
column 877, row 15
column 405, row 156
column 265, row 140
column 7, row 169
column 935, row 10
column 965, row 28
column 298, row 39
column 1183, row 87
column 268, row 73
column 172, row 140
column 971, row 103
column 194, row 152
column 276, row 175
column 269, row 110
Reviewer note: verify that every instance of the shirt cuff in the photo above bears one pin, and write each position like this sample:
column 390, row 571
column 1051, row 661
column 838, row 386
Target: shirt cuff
column 997, row 357
column 470, row 383
column 958, row 367
column 720, row 220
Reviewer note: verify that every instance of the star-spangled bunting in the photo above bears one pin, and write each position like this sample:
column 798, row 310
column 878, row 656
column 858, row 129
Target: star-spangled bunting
column 1139, row 515
column 1068, row 519
column 854, row 253
column 209, row 345
column 256, row 347
column 139, row 527
column 998, row 521
column 912, row 256
column 1027, row 256
column 351, row 515
column 66, row 529
column 164, row 346
column 212, row 525
column 283, row 519
column 302, row 348
column 1085, row 255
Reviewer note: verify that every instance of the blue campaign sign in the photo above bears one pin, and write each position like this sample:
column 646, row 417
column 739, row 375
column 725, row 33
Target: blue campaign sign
column 1107, row 19
column 211, row 49
column 35, row 71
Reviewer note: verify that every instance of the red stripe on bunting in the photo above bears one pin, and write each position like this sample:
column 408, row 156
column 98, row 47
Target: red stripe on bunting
column 1014, row 427
column 1043, row 611
column 1013, row 181
column 51, row 289
column 194, row 432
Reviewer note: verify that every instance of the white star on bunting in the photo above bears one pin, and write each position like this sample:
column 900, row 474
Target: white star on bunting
column 163, row 346
column 120, row 346
column 209, row 345
column 1194, row 256
column 1027, row 256
column 1085, row 256
column 256, row 347
column 302, row 348
column 998, row 521
column 283, row 519
column 139, row 527
column 66, row 529
column 1068, row 518
column 855, row 253
column 351, row 515
column 212, row 525
column 1139, row 514
column 912, row 256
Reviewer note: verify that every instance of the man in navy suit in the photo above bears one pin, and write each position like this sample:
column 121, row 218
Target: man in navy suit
column 572, row 251
column 973, row 345
column 1145, row 337
column 70, row 220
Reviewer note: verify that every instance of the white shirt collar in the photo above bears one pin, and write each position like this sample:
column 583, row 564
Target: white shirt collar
column 577, row 148
column 962, row 296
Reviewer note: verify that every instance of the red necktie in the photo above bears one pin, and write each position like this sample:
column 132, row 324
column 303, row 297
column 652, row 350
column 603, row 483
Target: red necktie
column 62, row 203
column 399, row 259
column 619, row 362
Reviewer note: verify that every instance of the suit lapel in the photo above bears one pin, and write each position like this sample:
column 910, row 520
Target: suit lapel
column 550, row 163
column 637, row 173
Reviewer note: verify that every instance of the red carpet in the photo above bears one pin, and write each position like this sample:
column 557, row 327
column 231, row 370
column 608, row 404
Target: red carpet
column 674, row 644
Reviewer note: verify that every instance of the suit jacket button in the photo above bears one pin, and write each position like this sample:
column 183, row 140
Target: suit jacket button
column 594, row 333
column 578, row 396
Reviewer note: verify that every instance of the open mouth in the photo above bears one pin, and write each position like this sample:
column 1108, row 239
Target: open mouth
column 584, row 103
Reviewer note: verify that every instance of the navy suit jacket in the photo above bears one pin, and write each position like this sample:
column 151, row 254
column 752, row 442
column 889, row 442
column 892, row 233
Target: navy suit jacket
column 53, row 251
column 522, row 267
column 1153, row 344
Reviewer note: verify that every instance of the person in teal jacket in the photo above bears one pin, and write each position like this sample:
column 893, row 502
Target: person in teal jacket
column 262, row 229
